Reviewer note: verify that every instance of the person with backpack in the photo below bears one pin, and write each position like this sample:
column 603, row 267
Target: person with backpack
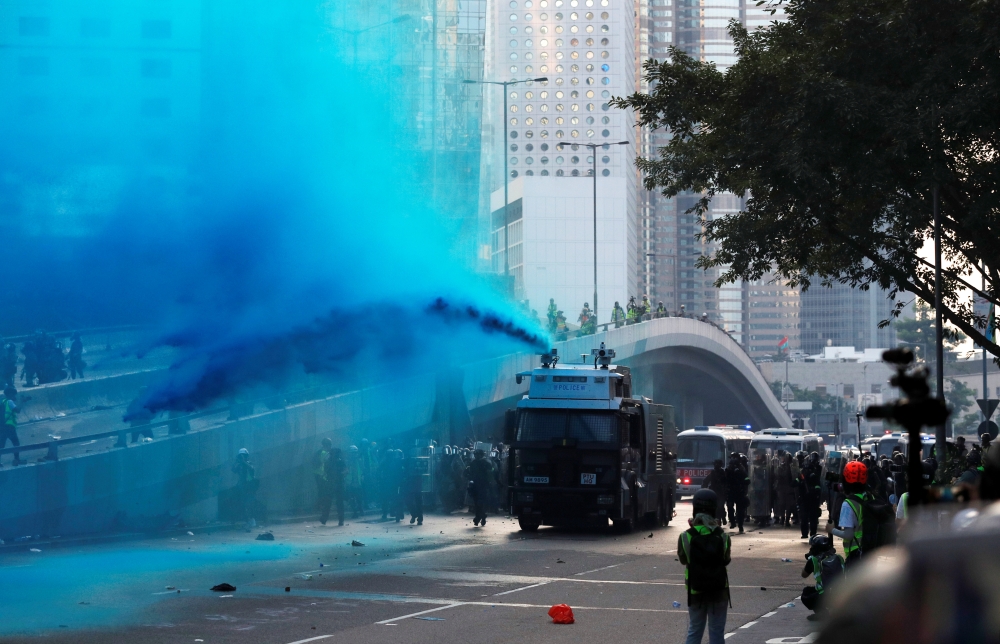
column 866, row 523
column 826, row 567
column 704, row 550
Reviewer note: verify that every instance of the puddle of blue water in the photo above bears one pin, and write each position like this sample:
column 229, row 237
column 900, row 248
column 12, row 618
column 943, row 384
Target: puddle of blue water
column 43, row 591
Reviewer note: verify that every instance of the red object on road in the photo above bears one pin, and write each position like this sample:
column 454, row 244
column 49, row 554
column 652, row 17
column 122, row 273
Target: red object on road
column 561, row 614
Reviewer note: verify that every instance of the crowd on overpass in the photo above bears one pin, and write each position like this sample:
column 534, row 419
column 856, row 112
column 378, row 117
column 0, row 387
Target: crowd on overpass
column 633, row 313
column 44, row 359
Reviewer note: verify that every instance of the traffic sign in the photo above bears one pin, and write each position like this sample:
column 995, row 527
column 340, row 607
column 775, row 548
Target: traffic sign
column 987, row 406
column 988, row 427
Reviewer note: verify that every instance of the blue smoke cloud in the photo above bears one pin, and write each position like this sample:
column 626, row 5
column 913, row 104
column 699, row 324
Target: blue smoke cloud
column 230, row 175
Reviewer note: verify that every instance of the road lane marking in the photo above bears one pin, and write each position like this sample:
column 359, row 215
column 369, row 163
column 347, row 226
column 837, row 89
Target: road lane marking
column 773, row 612
column 749, row 624
column 587, row 572
column 728, row 635
column 387, row 622
column 311, row 639
column 508, row 592
column 527, row 579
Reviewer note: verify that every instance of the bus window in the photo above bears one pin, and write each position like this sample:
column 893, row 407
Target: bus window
column 700, row 451
column 740, row 446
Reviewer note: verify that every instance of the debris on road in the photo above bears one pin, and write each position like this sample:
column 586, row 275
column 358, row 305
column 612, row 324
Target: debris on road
column 170, row 587
column 305, row 576
column 288, row 589
column 223, row 588
column 677, row 604
column 561, row 614
column 35, row 550
column 560, row 561
column 786, row 560
column 190, row 533
column 265, row 536
column 356, row 543
column 762, row 588
column 790, row 605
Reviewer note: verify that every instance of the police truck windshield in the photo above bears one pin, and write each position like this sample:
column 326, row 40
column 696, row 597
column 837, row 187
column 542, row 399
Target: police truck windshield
column 584, row 426
column 788, row 446
column 700, row 451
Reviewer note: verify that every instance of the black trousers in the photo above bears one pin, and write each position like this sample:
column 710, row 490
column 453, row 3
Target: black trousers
column 324, row 498
column 337, row 496
column 809, row 512
column 741, row 512
column 9, row 433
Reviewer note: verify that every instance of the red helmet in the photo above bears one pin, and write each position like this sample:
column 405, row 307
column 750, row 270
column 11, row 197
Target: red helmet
column 855, row 472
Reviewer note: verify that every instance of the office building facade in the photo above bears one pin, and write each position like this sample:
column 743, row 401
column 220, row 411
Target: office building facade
column 845, row 316
column 586, row 50
column 670, row 235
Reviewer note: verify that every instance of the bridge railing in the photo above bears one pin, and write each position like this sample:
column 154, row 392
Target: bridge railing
column 176, row 425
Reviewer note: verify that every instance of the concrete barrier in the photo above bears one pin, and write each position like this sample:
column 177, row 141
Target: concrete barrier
column 188, row 478
column 64, row 398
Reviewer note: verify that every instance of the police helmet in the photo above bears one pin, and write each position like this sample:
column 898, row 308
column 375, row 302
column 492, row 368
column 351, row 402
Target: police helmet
column 705, row 501
column 244, row 452
column 973, row 459
column 327, row 442
column 353, row 448
column 814, row 457
column 819, row 544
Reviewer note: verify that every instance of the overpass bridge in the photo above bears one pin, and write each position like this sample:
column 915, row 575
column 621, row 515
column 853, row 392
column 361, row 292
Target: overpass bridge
column 185, row 478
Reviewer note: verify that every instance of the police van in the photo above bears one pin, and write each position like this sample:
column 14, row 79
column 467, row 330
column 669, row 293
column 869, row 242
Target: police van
column 789, row 440
column 698, row 448
column 584, row 449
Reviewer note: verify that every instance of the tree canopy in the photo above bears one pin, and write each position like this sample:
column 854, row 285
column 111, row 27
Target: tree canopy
column 837, row 125
column 920, row 332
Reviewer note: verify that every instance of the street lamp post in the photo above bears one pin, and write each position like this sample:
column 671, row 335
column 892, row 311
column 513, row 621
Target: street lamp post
column 506, row 174
column 593, row 150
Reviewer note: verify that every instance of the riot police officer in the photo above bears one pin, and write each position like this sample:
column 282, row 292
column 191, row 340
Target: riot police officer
column 812, row 487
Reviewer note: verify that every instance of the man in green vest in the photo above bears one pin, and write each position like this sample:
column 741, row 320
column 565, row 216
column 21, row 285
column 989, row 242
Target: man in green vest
column 855, row 480
column 618, row 315
column 705, row 551
column 8, row 432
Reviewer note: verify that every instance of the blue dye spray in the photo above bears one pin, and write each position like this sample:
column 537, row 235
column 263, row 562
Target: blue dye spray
column 225, row 173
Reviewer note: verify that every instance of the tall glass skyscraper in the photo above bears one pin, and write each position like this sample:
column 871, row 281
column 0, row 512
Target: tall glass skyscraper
column 670, row 241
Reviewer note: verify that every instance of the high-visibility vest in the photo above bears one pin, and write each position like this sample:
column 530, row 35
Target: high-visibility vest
column 854, row 543
column 9, row 417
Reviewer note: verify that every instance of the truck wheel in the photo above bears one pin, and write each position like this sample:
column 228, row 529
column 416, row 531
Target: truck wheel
column 528, row 525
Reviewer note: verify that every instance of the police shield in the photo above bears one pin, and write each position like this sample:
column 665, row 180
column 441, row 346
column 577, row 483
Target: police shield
column 760, row 482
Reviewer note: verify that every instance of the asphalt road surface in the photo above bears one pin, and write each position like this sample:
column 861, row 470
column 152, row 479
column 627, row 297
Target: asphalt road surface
column 444, row 581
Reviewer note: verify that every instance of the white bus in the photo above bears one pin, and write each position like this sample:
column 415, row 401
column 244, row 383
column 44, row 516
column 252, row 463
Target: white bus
column 698, row 449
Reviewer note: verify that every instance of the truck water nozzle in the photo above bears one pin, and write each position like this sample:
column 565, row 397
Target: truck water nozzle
column 602, row 356
column 550, row 359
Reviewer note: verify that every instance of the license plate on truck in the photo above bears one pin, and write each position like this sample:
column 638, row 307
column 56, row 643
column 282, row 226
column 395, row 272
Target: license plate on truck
column 536, row 479
column 588, row 479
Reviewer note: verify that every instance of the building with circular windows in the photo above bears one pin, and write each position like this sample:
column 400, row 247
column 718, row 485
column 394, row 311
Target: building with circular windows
column 585, row 51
